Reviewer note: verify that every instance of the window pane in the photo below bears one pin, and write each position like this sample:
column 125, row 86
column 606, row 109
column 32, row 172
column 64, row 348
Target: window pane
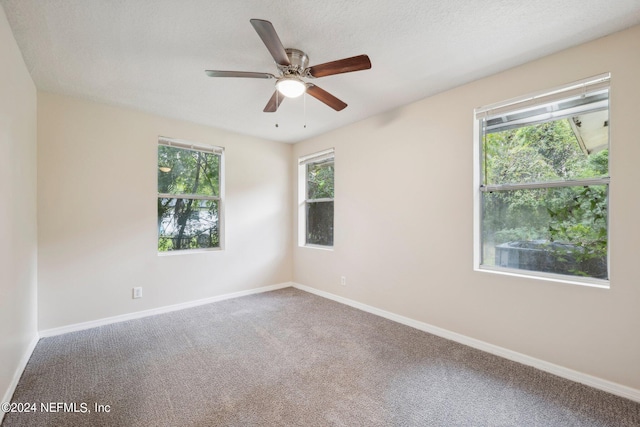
column 320, row 180
column 556, row 230
column 187, row 224
column 183, row 171
column 571, row 148
column 320, row 223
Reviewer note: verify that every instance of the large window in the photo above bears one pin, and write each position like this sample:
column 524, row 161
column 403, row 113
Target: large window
column 543, row 172
column 190, row 196
column 316, row 194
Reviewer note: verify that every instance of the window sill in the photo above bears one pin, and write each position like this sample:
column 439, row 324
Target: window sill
column 323, row 248
column 188, row 251
column 558, row 278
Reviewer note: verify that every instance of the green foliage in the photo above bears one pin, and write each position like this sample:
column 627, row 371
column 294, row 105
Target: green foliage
column 191, row 172
column 544, row 152
column 185, row 223
column 320, row 180
column 599, row 163
column 516, row 234
column 320, row 185
column 164, row 244
column 565, row 216
column 582, row 220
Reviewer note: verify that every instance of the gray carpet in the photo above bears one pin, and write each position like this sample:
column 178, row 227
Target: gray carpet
column 289, row 358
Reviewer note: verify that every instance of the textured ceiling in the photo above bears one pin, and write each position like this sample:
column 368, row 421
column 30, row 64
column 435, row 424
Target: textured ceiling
column 151, row 54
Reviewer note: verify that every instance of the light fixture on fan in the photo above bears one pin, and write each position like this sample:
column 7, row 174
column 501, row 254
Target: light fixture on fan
column 291, row 87
column 293, row 69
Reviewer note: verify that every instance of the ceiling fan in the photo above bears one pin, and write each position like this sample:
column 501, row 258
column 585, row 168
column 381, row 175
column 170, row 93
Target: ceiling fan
column 293, row 69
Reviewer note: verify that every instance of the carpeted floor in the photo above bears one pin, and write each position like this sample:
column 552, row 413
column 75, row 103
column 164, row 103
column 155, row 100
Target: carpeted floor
column 290, row 358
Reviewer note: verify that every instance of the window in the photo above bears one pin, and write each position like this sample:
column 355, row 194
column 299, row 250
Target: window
column 543, row 184
column 190, row 196
column 316, row 195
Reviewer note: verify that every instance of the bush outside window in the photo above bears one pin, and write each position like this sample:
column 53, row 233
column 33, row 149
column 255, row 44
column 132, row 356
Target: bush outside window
column 544, row 183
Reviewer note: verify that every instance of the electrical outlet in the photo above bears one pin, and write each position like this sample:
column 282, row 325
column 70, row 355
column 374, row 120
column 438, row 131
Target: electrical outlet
column 343, row 280
column 137, row 292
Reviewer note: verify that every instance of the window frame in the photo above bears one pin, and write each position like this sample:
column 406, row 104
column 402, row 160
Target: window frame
column 303, row 200
column 581, row 87
column 219, row 151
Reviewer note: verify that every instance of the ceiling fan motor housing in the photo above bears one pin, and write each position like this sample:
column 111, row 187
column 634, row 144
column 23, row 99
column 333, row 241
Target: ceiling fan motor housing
column 299, row 61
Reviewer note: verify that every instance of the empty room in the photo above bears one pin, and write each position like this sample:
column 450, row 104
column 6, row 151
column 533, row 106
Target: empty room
column 278, row 213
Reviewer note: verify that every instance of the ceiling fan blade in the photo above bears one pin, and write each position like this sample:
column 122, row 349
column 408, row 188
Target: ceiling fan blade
column 218, row 73
column 324, row 96
column 274, row 102
column 346, row 65
column 271, row 40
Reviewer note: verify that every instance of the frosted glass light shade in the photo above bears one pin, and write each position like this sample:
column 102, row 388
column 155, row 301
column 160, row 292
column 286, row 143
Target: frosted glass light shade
column 291, row 87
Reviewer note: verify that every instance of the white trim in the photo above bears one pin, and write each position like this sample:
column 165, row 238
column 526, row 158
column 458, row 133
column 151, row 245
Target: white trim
column 186, row 196
column 187, row 145
column 552, row 277
column 321, row 200
column 547, row 184
column 477, row 181
column 302, row 206
column 222, row 203
column 160, row 310
column 579, row 88
column 189, row 251
column 321, row 247
column 18, row 372
column 570, row 374
column 317, row 157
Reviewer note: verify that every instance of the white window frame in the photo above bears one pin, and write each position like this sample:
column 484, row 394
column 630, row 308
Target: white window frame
column 186, row 145
column 581, row 87
column 302, row 195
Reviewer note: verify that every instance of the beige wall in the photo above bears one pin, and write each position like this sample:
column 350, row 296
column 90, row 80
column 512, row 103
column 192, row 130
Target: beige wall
column 404, row 222
column 97, row 214
column 18, row 230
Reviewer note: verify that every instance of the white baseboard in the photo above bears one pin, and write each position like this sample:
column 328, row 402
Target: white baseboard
column 570, row 374
column 18, row 372
column 152, row 312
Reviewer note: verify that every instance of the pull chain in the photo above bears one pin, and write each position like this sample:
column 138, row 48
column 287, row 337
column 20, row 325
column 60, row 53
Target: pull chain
column 304, row 103
column 277, row 103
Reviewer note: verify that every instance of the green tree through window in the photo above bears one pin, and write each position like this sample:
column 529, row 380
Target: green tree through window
column 544, row 187
column 568, row 224
column 316, row 174
column 188, row 198
column 320, row 203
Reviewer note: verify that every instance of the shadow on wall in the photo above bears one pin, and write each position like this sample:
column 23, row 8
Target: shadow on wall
column 388, row 117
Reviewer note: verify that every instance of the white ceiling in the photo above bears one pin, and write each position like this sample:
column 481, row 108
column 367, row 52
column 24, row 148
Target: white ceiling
column 151, row 54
